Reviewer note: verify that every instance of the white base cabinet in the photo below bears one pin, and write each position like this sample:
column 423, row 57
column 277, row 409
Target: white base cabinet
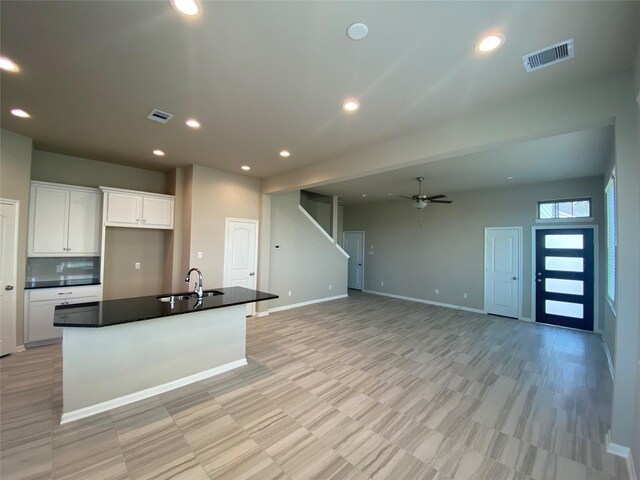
column 39, row 306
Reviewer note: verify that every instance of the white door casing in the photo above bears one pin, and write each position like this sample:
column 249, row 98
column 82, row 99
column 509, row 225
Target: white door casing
column 502, row 267
column 8, row 274
column 354, row 246
column 240, row 255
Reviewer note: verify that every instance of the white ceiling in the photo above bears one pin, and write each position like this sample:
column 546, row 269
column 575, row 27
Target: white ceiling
column 262, row 76
column 572, row 155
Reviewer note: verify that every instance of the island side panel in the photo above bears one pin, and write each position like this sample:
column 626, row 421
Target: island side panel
column 103, row 364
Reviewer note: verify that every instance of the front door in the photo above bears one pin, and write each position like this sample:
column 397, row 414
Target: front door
column 8, row 255
column 564, row 277
column 240, row 256
column 502, row 271
column 354, row 246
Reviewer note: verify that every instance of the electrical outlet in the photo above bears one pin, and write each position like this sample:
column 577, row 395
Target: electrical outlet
column 199, row 254
column 437, row 291
column 289, row 292
column 464, row 295
column 136, row 265
column 382, row 284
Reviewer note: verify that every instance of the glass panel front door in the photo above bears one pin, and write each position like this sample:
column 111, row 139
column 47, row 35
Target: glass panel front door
column 564, row 277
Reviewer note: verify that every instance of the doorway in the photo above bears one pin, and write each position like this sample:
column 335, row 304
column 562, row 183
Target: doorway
column 503, row 267
column 240, row 259
column 8, row 274
column 564, row 277
column 353, row 243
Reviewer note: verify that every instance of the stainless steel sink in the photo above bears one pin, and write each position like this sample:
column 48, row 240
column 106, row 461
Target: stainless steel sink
column 173, row 298
column 191, row 296
column 211, row 293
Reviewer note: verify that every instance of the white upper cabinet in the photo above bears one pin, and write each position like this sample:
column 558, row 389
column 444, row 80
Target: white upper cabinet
column 127, row 208
column 63, row 220
column 122, row 209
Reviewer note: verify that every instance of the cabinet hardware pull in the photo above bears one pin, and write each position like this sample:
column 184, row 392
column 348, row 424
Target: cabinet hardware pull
column 65, row 293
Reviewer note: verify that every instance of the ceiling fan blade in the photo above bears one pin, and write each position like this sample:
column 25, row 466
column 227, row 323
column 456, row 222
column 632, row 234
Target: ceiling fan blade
column 440, row 201
column 435, row 197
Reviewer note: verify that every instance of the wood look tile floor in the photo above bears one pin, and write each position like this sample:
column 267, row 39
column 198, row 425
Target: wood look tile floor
column 364, row 387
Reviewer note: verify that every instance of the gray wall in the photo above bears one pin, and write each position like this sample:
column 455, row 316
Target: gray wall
column 635, row 441
column 123, row 246
column 306, row 262
column 210, row 196
column 319, row 207
column 442, row 246
column 15, row 168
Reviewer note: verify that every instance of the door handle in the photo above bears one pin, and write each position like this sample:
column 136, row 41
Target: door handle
column 514, row 278
column 9, row 287
column 252, row 274
column 359, row 264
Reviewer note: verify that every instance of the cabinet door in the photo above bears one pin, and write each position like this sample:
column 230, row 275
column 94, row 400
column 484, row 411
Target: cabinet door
column 40, row 320
column 84, row 226
column 49, row 214
column 157, row 212
column 123, row 209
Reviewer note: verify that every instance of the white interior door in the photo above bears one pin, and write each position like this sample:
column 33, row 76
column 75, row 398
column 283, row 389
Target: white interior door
column 502, row 271
column 354, row 246
column 240, row 263
column 8, row 275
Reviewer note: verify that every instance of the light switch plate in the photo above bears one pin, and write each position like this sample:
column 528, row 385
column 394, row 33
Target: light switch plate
column 199, row 254
column 137, row 265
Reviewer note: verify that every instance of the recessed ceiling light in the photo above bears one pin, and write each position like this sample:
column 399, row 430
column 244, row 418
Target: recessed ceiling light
column 489, row 43
column 190, row 8
column 350, row 105
column 245, row 167
column 364, row 195
column 509, row 178
column 357, row 31
column 8, row 65
column 159, row 153
column 389, row 194
column 18, row 112
column 285, row 153
column 193, row 123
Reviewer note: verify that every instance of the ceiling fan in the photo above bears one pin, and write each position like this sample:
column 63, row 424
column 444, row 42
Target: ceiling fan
column 421, row 200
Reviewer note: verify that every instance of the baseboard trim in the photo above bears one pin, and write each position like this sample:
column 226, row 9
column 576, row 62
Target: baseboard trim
column 609, row 358
column 621, row 451
column 84, row 412
column 20, row 348
column 429, row 302
column 309, row 302
column 262, row 314
column 527, row 319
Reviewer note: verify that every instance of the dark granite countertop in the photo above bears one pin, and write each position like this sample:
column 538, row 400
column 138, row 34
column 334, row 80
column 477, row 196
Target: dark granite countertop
column 128, row 310
column 61, row 283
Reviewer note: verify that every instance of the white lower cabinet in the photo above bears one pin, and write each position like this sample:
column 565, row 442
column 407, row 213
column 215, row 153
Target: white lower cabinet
column 39, row 307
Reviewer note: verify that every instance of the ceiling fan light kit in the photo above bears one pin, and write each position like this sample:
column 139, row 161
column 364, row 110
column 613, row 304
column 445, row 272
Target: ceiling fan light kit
column 421, row 200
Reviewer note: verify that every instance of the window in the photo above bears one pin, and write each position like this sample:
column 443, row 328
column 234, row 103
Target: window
column 560, row 209
column 612, row 241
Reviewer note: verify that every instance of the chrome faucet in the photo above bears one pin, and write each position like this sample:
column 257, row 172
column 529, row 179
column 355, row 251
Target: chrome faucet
column 198, row 286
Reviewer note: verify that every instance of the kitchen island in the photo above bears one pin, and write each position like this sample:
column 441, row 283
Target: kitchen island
column 117, row 352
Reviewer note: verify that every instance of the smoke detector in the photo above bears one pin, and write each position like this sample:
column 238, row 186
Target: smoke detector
column 548, row 56
column 159, row 116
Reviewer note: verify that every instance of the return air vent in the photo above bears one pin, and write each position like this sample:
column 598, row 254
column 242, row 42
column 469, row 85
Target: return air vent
column 159, row 116
column 548, row 56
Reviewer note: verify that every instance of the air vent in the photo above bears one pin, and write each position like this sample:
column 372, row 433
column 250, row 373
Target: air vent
column 548, row 56
column 159, row 116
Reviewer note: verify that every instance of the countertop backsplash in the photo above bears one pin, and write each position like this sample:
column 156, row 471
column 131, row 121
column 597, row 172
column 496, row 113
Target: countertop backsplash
column 48, row 271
